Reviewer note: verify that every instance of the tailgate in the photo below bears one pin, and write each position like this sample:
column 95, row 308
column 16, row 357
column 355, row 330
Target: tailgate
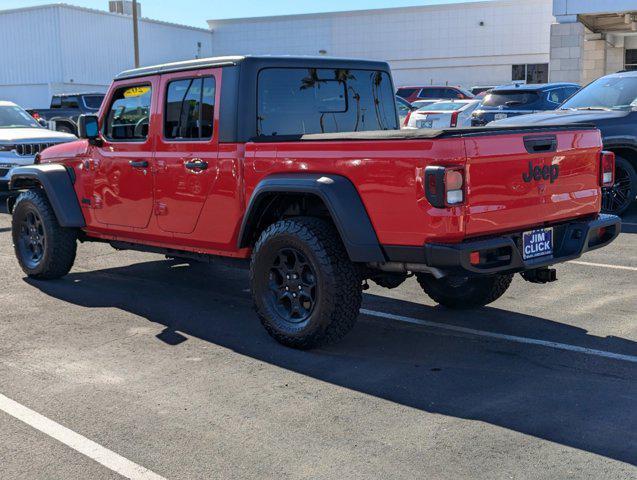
column 519, row 180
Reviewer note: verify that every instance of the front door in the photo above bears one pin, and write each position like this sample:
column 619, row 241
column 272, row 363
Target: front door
column 187, row 148
column 123, row 188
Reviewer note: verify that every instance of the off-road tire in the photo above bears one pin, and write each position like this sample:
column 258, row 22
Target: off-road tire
column 461, row 293
column 59, row 245
column 338, row 282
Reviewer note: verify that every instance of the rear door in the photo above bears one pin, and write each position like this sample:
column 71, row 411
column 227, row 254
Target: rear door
column 187, row 148
column 522, row 180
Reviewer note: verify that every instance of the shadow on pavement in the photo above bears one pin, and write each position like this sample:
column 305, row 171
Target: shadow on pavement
column 572, row 399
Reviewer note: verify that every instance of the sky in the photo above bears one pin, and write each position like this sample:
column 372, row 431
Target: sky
column 196, row 12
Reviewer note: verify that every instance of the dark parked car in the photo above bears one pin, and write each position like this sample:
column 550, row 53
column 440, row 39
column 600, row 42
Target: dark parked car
column 411, row 94
column 66, row 108
column 512, row 100
column 609, row 103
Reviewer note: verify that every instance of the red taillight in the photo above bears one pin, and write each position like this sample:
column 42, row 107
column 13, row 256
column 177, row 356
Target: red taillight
column 35, row 115
column 607, row 169
column 444, row 186
column 454, row 119
column 474, row 258
column 406, row 122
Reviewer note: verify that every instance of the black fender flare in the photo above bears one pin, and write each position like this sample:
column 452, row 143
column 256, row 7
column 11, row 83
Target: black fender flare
column 57, row 183
column 342, row 201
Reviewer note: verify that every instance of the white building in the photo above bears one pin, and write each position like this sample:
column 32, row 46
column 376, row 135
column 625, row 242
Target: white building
column 62, row 48
column 484, row 43
column 592, row 38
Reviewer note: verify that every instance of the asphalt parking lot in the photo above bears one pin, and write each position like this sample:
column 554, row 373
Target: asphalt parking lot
column 165, row 364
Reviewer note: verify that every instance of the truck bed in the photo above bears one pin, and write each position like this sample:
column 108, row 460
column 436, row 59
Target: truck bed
column 419, row 134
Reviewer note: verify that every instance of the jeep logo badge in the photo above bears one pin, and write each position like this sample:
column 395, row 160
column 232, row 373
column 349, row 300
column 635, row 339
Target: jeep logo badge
column 541, row 173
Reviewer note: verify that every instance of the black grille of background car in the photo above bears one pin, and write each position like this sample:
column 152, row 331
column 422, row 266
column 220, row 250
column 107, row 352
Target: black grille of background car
column 30, row 149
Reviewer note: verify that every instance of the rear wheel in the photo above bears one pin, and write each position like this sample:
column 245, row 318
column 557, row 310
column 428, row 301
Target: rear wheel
column 44, row 249
column 617, row 199
column 306, row 291
column 464, row 292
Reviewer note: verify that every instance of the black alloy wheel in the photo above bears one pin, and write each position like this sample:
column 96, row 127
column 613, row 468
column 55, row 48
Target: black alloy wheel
column 617, row 199
column 293, row 285
column 32, row 238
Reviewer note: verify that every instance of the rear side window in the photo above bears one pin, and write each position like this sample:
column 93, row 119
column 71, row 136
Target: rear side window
column 293, row 101
column 510, row 99
column 128, row 116
column 406, row 92
column 70, row 102
column 189, row 109
column 56, row 102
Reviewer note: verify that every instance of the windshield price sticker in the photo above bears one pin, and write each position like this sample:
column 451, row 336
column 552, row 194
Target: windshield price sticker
column 136, row 92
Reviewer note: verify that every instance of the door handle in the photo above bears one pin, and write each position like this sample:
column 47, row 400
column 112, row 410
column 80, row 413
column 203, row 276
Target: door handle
column 196, row 164
column 139, row 164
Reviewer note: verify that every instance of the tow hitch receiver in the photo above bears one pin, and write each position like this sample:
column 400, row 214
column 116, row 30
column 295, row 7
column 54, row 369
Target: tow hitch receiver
column 540, row 275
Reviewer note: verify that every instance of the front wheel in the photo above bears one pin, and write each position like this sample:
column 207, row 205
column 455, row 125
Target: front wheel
column 306, row 291
column 44, row 249
column 464, row 292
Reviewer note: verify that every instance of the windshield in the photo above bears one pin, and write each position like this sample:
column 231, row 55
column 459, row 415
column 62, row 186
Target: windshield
column 442, row 107
column 614, row 93
column 510, row 99
column 93, row 102
column 12, row 116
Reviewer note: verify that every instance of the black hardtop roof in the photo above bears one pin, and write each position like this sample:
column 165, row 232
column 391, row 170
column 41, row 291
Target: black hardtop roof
column 264, row 60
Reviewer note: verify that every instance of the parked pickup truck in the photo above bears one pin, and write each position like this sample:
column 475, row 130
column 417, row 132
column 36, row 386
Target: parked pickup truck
column 66, row 109
column 298, row 164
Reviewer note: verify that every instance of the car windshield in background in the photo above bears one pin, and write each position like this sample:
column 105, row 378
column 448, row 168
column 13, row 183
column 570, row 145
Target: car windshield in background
column 295, row 101
column 15, row 117
column 93, row 102
column 442, row 107
column 509, row 99
column 606, row 93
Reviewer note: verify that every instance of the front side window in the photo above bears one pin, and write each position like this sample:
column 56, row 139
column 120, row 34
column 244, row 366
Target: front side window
column 189, row 109
column 93, row 102
column 128, row 117
column 293, row 101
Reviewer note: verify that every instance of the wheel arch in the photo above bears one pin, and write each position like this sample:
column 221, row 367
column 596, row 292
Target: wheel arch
column 57, row 184
column 332, row 196
column 65, row 121
column 626, row 150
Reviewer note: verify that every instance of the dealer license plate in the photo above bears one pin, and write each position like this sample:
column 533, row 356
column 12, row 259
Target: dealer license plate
column 500, row 116
column 424, row 123
column 537, row 243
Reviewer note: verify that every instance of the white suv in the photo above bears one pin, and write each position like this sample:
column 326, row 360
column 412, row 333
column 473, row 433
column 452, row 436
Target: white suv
column 21, row 138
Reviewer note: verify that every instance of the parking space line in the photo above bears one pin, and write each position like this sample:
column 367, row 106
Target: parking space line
column 77, row 442
column 604, row 265
column 502, row 336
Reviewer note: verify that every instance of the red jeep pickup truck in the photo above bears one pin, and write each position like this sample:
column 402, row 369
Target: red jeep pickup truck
column 299, row 165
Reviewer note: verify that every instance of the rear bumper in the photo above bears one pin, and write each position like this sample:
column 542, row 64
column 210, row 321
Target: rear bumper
column 502, row 254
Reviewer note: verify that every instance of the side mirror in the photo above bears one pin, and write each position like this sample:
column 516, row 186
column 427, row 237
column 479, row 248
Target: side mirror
column 88, row 127
column 43, row 122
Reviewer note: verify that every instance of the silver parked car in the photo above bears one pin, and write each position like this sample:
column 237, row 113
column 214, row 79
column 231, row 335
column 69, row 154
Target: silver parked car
column 21, row 138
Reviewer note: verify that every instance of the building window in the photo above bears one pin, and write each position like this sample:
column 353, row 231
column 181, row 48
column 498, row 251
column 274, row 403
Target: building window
column 630, row 61
column 530, row 73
